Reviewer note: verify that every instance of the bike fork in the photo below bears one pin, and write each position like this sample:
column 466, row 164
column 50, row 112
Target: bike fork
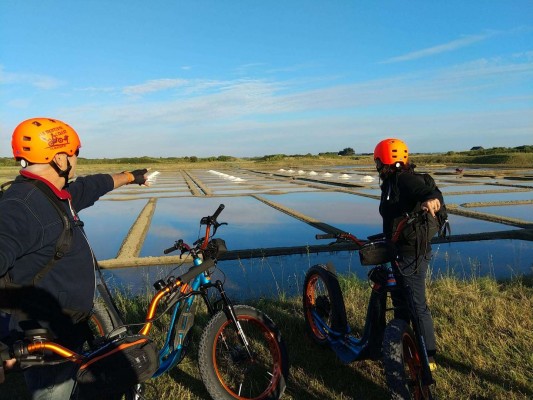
column 230, row 315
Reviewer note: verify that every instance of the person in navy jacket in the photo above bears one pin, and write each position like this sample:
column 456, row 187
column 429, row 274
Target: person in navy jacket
column 60, row 299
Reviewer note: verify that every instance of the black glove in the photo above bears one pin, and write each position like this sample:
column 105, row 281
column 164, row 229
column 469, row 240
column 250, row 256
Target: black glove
column 138, row 176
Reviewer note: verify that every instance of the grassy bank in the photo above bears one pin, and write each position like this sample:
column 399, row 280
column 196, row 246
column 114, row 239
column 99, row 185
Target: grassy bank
column 484, row 330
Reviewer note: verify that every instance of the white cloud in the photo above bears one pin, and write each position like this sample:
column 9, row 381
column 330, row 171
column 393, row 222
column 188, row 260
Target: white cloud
column 153, row 86
column 35, row 80
column 442, row 48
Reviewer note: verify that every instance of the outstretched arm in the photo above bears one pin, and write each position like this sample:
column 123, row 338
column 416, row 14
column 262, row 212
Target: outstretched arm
column 124, row 178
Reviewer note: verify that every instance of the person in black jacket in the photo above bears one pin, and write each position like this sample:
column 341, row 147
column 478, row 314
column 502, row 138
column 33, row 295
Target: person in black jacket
column 403, row 191
column 58, row 297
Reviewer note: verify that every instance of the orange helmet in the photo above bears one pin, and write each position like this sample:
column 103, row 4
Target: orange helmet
column 38, row 140
column 391, row 151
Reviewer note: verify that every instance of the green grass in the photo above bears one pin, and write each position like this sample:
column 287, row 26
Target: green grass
column 484, row 330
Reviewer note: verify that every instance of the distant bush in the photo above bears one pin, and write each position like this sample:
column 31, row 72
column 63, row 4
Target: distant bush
column 7, row 162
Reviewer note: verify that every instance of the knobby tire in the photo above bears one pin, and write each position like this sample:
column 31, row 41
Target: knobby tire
column 402, row 363
column 322, row 295
column 227, row 369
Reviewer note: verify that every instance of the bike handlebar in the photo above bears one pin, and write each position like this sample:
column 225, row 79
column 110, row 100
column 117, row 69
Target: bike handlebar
column 341, row 237
column 179, row 245
column 345, row 236
column 210, row 221
column 32, row 353
column 218, row 211
column 170, row 249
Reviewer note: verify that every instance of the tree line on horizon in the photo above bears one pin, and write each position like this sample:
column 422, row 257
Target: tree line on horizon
column 347, row 153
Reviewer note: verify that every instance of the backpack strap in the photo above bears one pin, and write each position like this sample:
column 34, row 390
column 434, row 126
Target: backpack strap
column 3, row 186
column 65, row 239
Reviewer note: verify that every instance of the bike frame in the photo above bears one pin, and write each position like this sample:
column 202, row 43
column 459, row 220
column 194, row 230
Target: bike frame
column 182, row 319
column 181, row 296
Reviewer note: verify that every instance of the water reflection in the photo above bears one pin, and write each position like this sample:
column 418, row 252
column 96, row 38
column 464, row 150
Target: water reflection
column 107, row 224
column 254, row 224
column 283, row 275
column 519, row 211
column 251, row 224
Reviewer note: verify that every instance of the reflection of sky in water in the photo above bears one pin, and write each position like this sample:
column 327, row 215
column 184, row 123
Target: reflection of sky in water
column 272, row 276
column 462, row 225
column 107, row 223
column 521, row 183
column 521, row 211
column 472, row 188
column 500, row 258
column 355, row 214
column 262, row 190
column 468, row 198
column 251, row 224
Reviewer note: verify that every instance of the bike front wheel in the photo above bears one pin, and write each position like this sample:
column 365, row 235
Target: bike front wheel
column 323, row 305
column 402, row 363
column 232, row 370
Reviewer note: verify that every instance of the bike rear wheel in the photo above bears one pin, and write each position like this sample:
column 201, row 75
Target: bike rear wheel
column 229, row 371
column 101, row 324
column 402, row 363
column 100, row 320
column 323, row 304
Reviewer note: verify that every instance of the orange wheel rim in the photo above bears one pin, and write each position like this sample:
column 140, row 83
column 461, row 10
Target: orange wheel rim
column 274, row 350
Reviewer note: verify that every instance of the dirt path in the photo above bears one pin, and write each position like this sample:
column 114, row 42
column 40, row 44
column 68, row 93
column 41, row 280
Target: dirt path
column 132, row 244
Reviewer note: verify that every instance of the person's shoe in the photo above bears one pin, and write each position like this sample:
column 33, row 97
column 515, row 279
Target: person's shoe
column 432, row 364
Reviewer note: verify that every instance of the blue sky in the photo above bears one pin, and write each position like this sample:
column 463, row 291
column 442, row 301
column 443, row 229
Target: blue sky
column 249, row 78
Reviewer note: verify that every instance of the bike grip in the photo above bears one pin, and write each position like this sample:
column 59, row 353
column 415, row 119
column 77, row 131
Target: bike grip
column 326, row 236
column 197, row 270
column 170, row 250
column 218, row 211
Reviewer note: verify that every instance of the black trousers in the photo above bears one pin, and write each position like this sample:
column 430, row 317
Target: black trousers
column 414, row 270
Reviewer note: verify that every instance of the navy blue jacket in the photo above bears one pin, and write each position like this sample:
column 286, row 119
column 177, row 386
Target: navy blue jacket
column 29, row 229
column 403, row 192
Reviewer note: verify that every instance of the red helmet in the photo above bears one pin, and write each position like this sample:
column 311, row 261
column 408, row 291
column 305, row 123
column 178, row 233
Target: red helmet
column 38, row 140
column 390, row 151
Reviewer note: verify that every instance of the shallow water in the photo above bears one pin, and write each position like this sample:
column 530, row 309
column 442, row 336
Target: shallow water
column 254, row 224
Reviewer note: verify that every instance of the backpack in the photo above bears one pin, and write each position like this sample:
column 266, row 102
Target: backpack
column 443, row 228
column 62, row 245
column 412, row 232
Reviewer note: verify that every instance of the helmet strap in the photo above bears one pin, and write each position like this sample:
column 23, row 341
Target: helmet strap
column 62, row 173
